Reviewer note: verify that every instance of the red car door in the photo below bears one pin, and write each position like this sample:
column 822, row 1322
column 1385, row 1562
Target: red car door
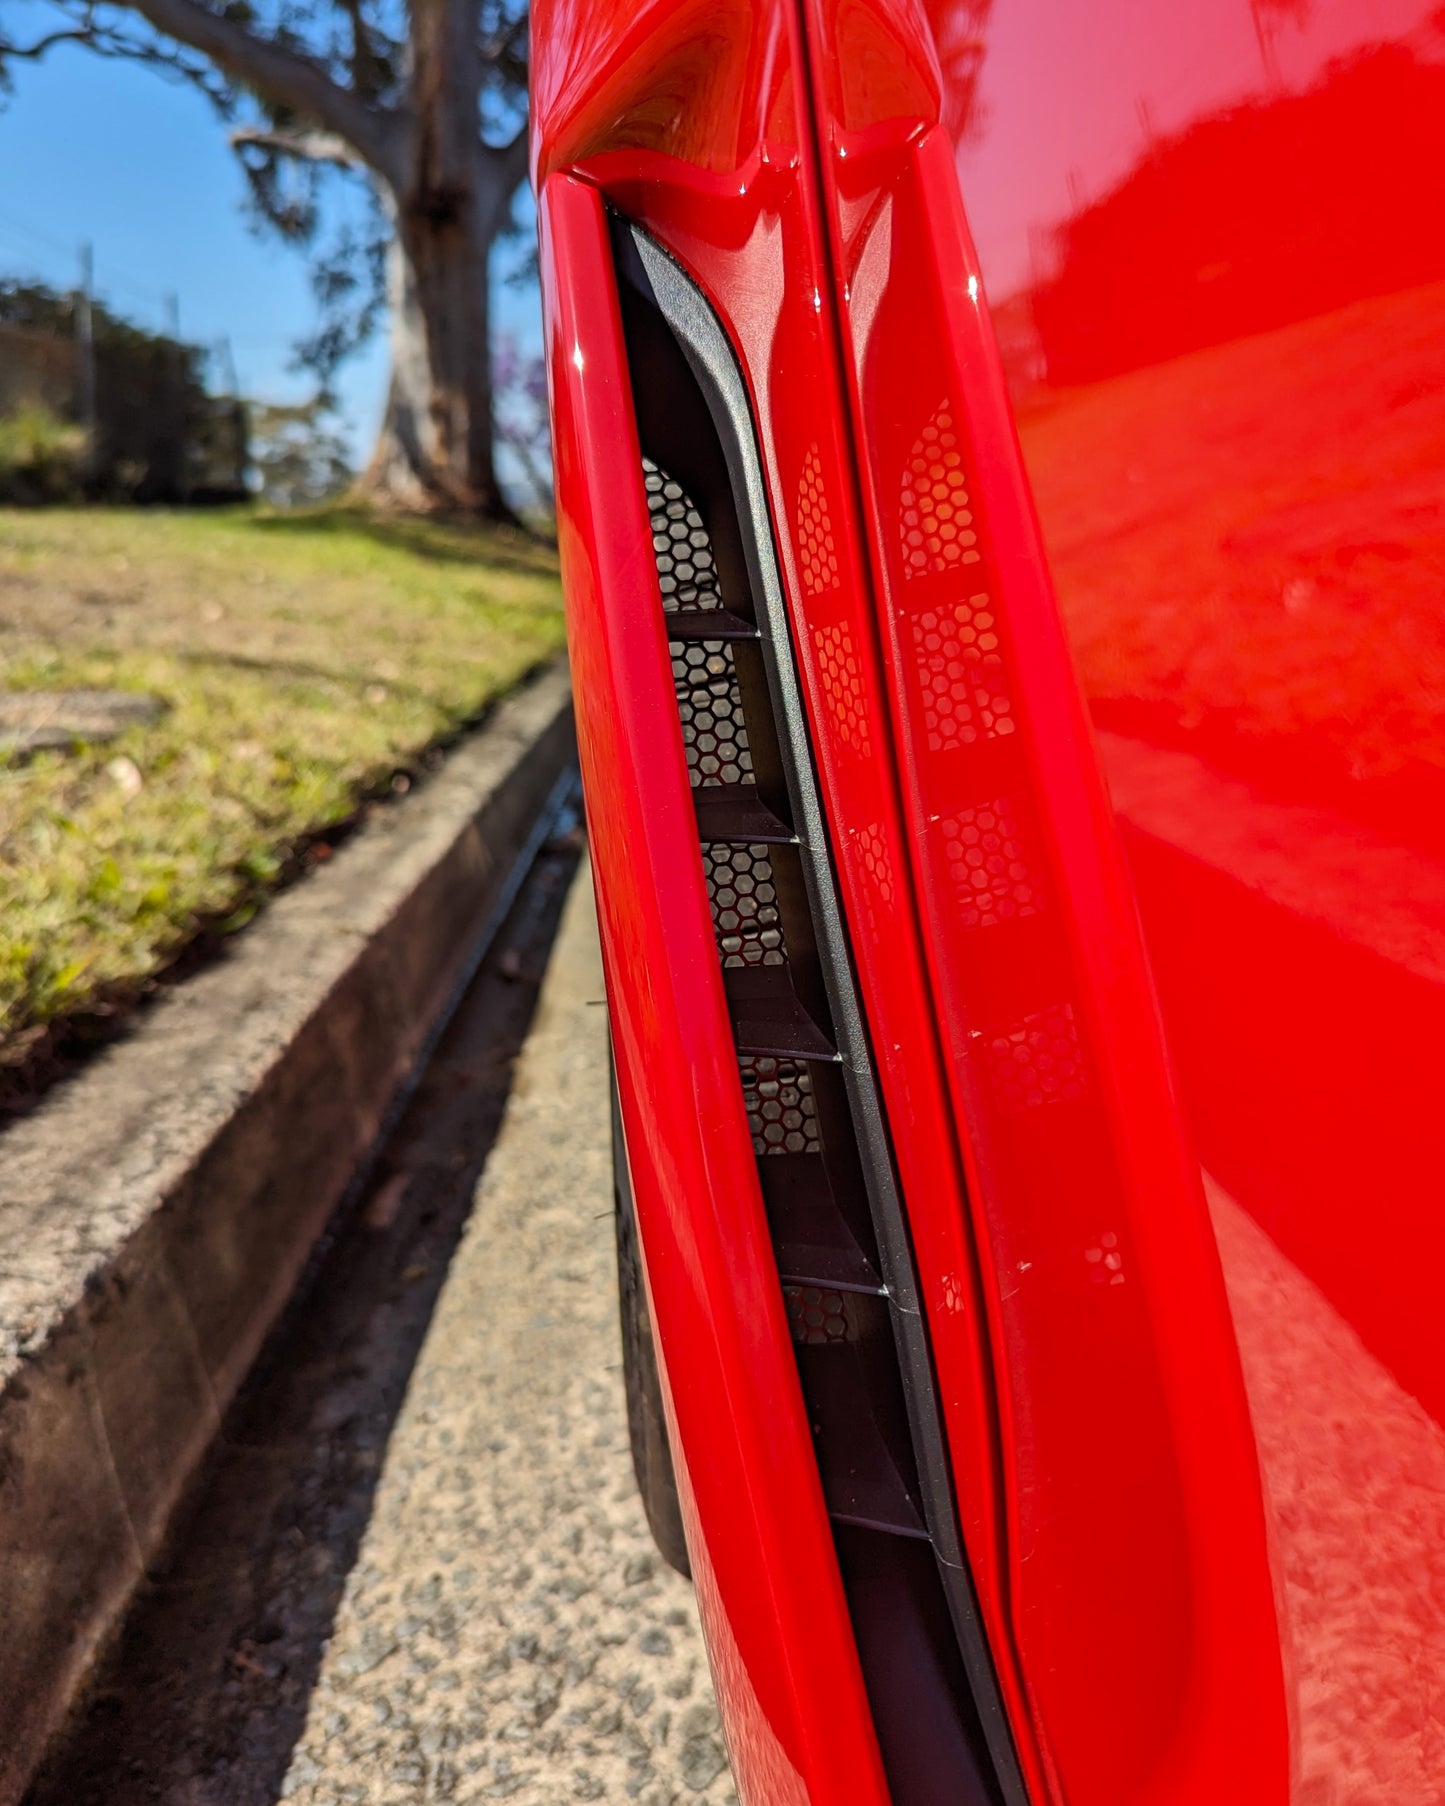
column 1212, row 240
column 969, row 1479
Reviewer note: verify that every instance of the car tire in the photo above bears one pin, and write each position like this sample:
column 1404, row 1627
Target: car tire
column 646, row 1422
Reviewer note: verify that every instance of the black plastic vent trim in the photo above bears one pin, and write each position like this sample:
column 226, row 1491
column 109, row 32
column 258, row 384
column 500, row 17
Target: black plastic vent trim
column 876, row 1422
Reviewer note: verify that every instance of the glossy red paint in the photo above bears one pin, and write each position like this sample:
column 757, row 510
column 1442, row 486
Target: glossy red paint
column 767, row 1577
column 727, row 187
column 1139, row 1588
column 1212, row 243
column 835, row 639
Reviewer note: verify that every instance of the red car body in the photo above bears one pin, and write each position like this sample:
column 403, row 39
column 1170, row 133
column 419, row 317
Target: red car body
column 1038, row 343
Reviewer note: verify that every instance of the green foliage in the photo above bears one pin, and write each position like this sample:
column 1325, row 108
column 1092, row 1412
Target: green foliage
column 42, row 457
column 298, row 455
column 130, row 349
column 158, row 435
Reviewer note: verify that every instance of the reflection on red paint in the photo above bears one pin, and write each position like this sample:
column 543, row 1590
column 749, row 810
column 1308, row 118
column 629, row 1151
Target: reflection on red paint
column 1274, row 210
column 1357, row 1476
column 1249, row 545
column 1215, row 244
column 1138, row 1596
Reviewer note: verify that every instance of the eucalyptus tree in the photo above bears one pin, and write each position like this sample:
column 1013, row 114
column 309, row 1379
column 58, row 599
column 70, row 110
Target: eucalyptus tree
column 423, row 102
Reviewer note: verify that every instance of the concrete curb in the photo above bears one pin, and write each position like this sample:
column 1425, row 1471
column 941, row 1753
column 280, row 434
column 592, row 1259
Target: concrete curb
column 156, row 1212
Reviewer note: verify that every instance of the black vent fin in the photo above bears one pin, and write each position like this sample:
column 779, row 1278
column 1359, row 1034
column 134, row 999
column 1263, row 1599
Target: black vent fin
column 709, row 624
column 769, row 1018
column 735, row 814
column 818, row 1240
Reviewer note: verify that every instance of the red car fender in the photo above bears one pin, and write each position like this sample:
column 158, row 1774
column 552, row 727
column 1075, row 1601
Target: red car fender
column 776, row 1621
column 725, row 185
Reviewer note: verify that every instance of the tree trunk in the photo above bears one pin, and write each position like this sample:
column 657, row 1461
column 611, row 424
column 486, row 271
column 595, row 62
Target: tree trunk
column 448, row 193
column 436, row 443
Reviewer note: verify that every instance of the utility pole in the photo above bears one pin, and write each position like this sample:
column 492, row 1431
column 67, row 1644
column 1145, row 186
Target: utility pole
column 240, row 424
column 85, row 340
column 228, row 366
column 1264, row 30
column 180, row 424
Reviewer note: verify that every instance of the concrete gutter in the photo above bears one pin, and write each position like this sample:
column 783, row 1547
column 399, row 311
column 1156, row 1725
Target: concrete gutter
column 156, row 1212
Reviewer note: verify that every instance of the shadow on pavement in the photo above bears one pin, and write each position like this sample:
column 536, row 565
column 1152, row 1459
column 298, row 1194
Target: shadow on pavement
column 206, row 1692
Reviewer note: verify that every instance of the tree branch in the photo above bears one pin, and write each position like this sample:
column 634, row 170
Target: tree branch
column 34, row 52
column 310, row 147
column 510, row 161
column 108, row 38
column 283, row 77
column 363, row 57
column 504, row 50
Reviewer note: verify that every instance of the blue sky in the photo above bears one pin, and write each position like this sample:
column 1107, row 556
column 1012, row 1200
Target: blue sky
column 118, row 156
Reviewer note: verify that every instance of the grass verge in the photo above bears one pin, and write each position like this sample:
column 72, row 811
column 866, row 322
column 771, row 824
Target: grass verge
column 307, row 662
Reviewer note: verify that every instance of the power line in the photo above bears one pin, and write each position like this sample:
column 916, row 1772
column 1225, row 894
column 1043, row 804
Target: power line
column 85, row 336
column 116, row 276
column 43, row 238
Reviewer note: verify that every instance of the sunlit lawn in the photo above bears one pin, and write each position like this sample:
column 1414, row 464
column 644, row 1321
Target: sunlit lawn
column 304, row 660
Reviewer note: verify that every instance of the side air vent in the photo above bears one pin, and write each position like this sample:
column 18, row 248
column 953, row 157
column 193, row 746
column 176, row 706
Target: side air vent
column 824, row 1164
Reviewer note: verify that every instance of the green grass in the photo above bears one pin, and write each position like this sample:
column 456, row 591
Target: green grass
column 304, row 660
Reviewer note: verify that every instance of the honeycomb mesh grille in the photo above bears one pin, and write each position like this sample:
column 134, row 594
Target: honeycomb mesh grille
column 686, row 569
column 937, row 523
column 994, row 878
column 782, row 1116
column 1037, row 1061
column 744, row 902
column 818, row 1316
column 711, row 707
column 965, row 687
column 741, row 882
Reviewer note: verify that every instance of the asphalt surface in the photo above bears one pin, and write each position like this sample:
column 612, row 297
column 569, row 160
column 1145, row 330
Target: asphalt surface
column 417, row 1568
